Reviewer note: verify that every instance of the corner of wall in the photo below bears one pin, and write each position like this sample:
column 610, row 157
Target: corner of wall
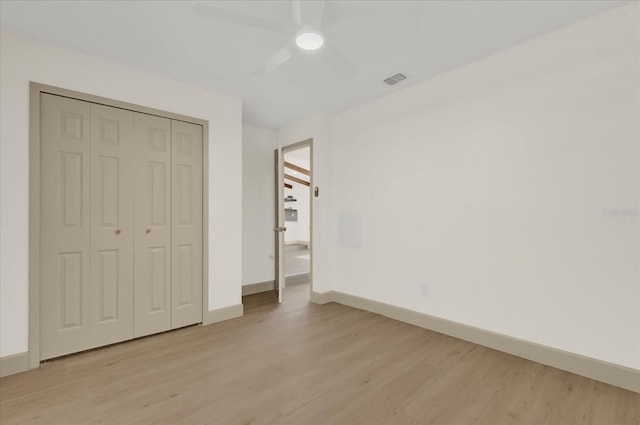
column 16, row 363
column 221, row 314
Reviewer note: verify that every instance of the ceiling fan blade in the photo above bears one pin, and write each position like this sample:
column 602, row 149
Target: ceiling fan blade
column 276, row 60
column 338, row 62
column 226, row 15
column 308, row 13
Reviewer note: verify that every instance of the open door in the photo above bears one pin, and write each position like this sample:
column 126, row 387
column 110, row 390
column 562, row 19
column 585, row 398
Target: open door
column 279, row 227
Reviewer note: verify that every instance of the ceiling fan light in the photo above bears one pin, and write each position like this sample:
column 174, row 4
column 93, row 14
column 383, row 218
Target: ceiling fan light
column 309, row 40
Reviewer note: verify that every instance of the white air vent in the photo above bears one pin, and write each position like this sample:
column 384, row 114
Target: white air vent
column 395, row 79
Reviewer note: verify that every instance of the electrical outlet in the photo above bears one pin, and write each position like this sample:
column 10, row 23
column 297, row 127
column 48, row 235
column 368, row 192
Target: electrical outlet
column 424, row 290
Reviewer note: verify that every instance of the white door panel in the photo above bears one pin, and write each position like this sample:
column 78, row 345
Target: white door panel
column 65, row 319
column 187, row 224
column 152, row 224
column 279, row 228
column 112, row 225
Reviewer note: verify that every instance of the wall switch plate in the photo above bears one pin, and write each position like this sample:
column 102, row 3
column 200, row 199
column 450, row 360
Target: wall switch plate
column 424, row 290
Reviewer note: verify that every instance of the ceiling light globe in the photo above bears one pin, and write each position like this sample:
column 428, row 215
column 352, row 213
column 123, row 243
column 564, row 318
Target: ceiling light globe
column 309, row 40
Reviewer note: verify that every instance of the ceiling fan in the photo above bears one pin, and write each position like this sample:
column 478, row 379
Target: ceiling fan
column 308, row 17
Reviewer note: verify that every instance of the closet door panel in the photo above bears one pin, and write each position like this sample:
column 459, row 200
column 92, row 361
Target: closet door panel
column 65, row 286
column 112, row 225
column 152, row 227
column 186, row 224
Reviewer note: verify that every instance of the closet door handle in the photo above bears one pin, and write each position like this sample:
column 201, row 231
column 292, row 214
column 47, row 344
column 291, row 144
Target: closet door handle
column 148, row 231
column 117, row 232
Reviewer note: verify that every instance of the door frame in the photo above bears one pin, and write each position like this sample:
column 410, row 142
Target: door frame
column 35, row 90
column 283, row 150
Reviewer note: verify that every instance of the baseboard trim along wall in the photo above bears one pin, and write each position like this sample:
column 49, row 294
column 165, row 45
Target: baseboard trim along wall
column 15, row 363
column 610, row 373
column 256, row 288
column 297, row 243
column 270, row 285
column 322, row 297
column 224, row 313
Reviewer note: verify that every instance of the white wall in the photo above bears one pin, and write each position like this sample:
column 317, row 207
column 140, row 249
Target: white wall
column 24, row 60
column 488, row 184
column 258, row 207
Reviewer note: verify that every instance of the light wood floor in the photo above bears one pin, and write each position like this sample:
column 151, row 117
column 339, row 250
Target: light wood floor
column 299, row 363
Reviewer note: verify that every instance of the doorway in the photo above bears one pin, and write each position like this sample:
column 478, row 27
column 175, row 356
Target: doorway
column 297, row 200
column 294, row 217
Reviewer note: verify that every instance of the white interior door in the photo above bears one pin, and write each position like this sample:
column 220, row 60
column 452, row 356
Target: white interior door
column 186, row 219
column 65, row 315
column 152, row 225
column 117, row 186
column 279, row 228
column 111, row 225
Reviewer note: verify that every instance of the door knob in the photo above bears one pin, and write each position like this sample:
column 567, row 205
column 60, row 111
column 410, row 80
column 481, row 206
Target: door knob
column 117, row 232
column 148, row 231
column 279, row 229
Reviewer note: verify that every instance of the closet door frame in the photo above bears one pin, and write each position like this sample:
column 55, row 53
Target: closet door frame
column 35, row 91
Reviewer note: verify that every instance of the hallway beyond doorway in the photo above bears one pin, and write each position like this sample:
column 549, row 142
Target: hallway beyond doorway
column 297, row 263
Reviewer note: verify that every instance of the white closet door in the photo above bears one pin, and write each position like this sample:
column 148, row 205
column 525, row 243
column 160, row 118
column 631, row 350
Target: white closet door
column 187, row 224
column 111, row 225
column 65, row 288
column 121, row 225
column 152, row 224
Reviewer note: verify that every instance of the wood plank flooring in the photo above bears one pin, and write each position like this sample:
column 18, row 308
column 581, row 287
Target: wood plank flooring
column 300, row 363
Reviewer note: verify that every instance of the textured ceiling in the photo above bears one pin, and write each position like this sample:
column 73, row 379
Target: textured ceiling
column 418, row 38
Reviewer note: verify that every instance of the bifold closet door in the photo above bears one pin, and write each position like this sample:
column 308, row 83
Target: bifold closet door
column 65, row 266
column 121, row 225
column 186, row 224
column 86, row 226
column 111, row 225
column 152, row 224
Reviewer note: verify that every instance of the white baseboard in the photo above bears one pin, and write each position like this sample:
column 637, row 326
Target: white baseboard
column 256, row 288
column 270, row 285
column 610, row 373
column 297, row 243
column 224, row 313
column 15, row 363
column 322, row 297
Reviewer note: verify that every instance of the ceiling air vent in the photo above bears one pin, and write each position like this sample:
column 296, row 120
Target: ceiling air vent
column 395, row 79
